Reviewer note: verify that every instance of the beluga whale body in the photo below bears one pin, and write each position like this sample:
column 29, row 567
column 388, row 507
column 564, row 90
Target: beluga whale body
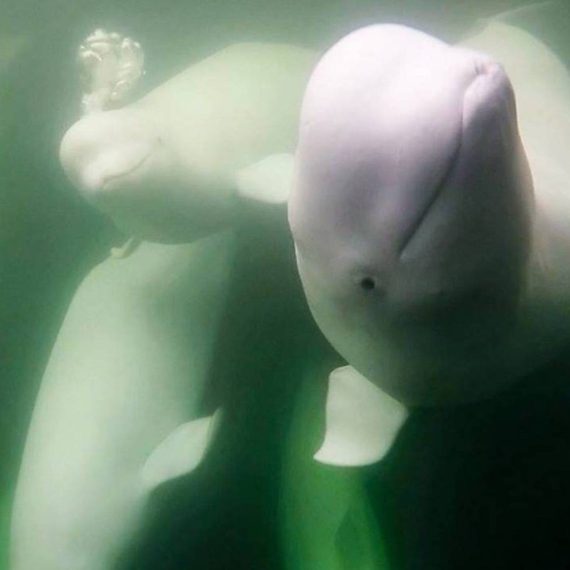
column 430, row 213
column 119, row 411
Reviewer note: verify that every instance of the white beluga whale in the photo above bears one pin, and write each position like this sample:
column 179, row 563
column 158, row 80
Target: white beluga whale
column 430, row 211
column 118, row 412
column 411, row 210
column 167, row 167
column 340, row 214
column 119, row 408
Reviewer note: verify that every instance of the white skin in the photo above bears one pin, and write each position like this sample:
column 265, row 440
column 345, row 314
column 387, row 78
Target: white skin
column 134, row 352
column 419, row 244
column 164, row 168
column 128, row 369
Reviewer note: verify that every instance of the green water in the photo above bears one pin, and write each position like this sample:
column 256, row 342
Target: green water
column 49, row 238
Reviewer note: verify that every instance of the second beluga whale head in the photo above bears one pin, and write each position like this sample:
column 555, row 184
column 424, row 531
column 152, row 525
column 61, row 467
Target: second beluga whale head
column 174, row 165
column 412, row 213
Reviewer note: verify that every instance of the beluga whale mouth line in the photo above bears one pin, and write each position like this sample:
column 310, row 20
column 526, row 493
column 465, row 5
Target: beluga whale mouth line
column 438, row 191
column 482, row 69
column 107, row 180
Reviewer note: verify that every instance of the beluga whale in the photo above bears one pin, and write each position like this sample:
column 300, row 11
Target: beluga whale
column 120, row 408
column 172, row 165
column 430, row 211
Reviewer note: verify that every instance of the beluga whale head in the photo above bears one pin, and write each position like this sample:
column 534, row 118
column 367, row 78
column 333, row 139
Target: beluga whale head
column 187, row 158
column 412, row 213
column 121, row 163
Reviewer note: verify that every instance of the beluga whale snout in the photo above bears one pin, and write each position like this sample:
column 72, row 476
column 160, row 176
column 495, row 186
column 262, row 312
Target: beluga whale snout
column 412, row 211
column 93, row 166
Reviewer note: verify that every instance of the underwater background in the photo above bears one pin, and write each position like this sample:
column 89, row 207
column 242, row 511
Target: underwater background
column 457, row 482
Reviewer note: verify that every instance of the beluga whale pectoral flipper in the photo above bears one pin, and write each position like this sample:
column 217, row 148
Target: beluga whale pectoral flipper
column 379, row 420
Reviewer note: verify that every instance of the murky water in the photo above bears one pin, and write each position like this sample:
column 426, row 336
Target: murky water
column 251, row 508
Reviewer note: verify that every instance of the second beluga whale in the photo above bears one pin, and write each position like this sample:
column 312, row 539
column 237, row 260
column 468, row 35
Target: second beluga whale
column 120, row 410
column 171, row 166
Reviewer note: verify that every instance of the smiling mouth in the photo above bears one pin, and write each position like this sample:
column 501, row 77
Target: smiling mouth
column 109, row 180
